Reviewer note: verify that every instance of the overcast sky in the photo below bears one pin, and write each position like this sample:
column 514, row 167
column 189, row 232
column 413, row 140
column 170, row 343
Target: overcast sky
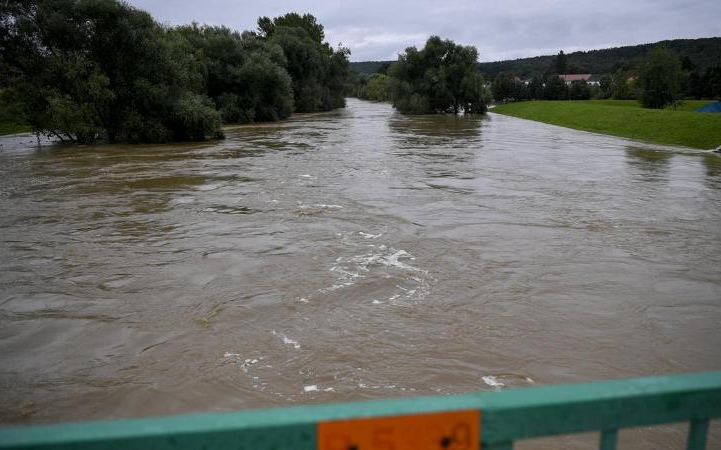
column 501, row 29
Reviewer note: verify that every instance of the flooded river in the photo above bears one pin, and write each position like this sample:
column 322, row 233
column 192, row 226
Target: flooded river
column 350, row 255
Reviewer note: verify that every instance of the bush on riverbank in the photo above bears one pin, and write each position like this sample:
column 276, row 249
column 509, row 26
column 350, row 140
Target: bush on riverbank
column 667, row 126
column 92, row 70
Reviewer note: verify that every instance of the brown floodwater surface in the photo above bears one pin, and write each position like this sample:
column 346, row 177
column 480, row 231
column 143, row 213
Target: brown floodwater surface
column 350, row 255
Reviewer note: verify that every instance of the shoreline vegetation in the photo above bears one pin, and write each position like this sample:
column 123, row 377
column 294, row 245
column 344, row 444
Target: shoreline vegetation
column 88, row 71
column 625, row 119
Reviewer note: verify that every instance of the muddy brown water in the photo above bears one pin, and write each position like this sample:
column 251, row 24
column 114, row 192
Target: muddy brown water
column 351, row 255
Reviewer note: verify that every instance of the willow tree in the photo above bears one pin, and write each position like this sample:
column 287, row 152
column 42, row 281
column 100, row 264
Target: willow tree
column 318, row 72
column 245, row 76
column 659, row 79
column 441, row 77
column 88, row 70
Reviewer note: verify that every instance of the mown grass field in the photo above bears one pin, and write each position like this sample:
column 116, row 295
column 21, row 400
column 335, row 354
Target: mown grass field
column 686, row 105
column 625, row 118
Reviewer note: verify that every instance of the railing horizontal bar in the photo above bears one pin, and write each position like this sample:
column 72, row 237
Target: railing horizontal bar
column 565, row 409
column 505, row 417
column 498, row 446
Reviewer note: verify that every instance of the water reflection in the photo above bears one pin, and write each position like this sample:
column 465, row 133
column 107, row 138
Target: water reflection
column 444, row 128
column 445, row 145
column 648, row 164
column 713, row 170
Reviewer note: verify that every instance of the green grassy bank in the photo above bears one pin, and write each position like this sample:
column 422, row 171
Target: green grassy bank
column 11, row 127
column 626, row 119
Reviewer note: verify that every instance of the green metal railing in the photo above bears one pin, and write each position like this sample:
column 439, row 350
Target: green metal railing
column 502, row 417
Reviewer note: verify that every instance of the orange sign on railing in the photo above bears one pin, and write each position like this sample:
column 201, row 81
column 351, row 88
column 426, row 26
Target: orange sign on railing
column 456, row 430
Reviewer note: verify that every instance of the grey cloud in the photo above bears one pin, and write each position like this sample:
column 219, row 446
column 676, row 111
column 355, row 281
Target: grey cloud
column 380, row 29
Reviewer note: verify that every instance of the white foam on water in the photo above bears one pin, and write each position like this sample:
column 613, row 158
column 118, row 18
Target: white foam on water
column 350, row 269
column 183, row 200
column 377, row 386
column 370, row 236
column 247, row 363
column 230, row 355
column 335, row 287
column 310, row 388
column 287, row 340
column 393, row 261
column 208, row 187
column 493, row 382
column 324, row 206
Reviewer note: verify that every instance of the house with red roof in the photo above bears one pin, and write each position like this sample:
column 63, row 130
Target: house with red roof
column 571, row 77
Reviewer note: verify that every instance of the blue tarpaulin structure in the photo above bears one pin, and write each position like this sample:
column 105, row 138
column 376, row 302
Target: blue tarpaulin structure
column 713, row 107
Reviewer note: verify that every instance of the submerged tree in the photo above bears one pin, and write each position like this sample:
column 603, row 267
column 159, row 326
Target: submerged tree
column 245, row 76
column 89, row 70
column 319, row 73
column 84, row 70
column 440, row 77
column 659, row 79
column 376, row 88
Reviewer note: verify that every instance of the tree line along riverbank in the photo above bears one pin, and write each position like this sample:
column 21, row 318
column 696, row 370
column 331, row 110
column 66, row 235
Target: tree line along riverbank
column 101, row 70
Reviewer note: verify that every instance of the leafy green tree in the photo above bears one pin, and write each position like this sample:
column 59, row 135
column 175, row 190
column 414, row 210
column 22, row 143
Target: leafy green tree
column 503, row 87
column 88, row 70
column 318, row 72
column 605, row 86
column 383, row 69
column 560, row 65
column 438, row 78
column 712, row 78
column 580, row 90
column 246, row 76
column 687, row 64
column 306, row 22
column 555, row 89
column 377, row 88
column 623, row 86
column 535, row 88
column 659, row 79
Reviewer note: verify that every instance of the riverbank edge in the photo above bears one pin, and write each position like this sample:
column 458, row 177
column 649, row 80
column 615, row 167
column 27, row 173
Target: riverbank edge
column 666, row 127
column 12, row 129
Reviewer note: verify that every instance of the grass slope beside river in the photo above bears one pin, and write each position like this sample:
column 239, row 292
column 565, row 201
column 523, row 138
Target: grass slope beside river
column 624, row 119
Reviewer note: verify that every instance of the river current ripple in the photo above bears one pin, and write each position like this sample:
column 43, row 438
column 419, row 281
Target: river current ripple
column 350, row 255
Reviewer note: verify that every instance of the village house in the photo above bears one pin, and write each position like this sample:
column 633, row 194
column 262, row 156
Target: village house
column 571, row 77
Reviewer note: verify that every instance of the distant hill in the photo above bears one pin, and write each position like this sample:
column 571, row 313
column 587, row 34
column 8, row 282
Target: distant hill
column 702, row 53
column 367, row 66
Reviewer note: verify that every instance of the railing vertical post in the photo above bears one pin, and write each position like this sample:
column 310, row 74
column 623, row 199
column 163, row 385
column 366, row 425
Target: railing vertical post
column 697, row 434
column 498, row 446
column 609, row 438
